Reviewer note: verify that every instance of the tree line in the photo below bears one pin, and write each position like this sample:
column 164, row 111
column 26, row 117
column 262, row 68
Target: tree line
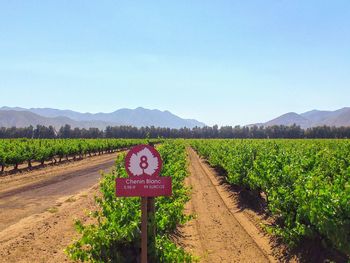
column 259, row 132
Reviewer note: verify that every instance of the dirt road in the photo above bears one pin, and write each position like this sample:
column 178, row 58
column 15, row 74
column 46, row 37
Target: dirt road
column 219, row 232
column 37, row 209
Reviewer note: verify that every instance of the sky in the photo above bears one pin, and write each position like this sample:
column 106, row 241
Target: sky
column 220, row 62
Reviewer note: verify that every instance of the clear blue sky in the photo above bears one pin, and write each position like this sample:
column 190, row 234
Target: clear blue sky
column 225, row 62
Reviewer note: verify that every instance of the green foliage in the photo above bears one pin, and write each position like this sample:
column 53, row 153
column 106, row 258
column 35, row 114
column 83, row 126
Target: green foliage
column 306, row 182
column 169, row 252
column 17, row 151
column 116, row 236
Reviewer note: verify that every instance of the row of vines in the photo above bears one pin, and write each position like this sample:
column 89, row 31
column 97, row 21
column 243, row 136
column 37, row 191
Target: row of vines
column 306, row 183
column 116, row 235
column 14, row 152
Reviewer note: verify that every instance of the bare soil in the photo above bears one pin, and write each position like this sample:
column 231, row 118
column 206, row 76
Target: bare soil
column 25, row 177
column 221, row 231
column 38, row 208
column 43, row 237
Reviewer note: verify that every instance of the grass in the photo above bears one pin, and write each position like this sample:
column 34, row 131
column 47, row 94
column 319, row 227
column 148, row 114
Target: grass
column 53, row 210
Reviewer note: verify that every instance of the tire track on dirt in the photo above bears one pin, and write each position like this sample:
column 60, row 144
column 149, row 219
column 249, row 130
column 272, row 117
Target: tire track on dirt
column 216, row 235
column 39, row 196
column 38, row 208
column 43, row 237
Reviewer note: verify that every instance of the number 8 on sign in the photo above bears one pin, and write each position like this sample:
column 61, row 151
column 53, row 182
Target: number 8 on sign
column 144, row 162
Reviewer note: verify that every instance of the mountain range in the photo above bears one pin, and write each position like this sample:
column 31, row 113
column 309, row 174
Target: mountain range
column 139, row 117
column 312, row 118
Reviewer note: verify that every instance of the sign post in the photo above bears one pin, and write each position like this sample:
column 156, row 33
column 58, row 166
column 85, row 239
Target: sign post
column 143, row 165
column 144, row 236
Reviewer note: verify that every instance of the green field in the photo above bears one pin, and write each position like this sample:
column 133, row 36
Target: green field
column 306, row 183
column 14, row 152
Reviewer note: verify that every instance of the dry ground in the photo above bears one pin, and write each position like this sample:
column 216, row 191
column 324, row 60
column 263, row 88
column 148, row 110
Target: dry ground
column 38, row 208
column 220, row 232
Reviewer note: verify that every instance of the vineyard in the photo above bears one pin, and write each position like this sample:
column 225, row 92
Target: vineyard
column 14, row 152
column 116, row 237
column 306, row 183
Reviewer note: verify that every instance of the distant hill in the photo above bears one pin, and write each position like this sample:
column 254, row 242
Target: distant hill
column 21, row 117
column 336, row 118
column 15, row 118
column 313, row 118
column 289, row 119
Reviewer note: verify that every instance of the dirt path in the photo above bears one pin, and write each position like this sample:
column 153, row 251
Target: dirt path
column 36, row 193
column 219, row 232
column 28, row 178
column 37, row 209
column 43, row 237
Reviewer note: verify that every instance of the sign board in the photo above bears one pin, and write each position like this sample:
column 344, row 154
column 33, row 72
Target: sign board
column 143, row 165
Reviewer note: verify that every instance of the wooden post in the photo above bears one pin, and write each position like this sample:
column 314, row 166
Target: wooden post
column 151, row 229
column 151, row 210
column 144, row 229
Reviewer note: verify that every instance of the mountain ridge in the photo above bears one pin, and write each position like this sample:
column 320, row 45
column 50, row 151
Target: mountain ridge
column 138, row 117
column 134, row 117
column 313, row 118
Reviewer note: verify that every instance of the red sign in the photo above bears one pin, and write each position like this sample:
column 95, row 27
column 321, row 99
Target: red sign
column 143, row 165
